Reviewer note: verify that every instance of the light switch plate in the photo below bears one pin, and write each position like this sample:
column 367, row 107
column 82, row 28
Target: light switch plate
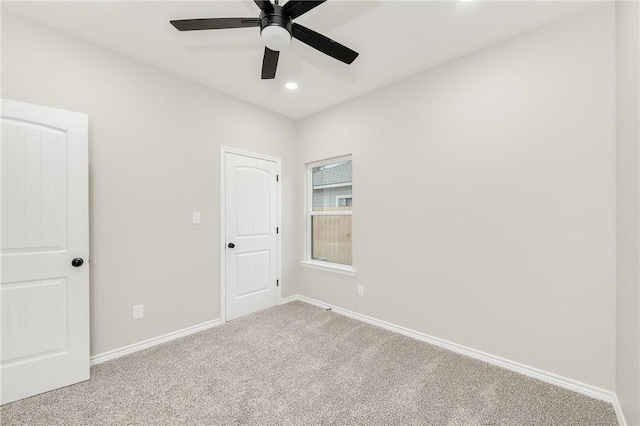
column 196, row 218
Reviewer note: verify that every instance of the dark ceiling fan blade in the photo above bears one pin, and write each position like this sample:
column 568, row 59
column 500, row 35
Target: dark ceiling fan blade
column 264, row 5
column 324, row 44
column 214, row 23
column 269, row 63
column 295, row 8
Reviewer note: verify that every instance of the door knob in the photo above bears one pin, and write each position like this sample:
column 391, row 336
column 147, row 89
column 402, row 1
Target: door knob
column 231, row 245
column 77, row 262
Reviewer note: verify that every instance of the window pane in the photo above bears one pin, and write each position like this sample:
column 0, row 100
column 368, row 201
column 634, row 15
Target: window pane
column 331, row 239
column 332, row 187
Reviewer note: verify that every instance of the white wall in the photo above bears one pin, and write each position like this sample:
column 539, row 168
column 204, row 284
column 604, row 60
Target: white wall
column 154, row 148
column 628, row 209
column 501, row 236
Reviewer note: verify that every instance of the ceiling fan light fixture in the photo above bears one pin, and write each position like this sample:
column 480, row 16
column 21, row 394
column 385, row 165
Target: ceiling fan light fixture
column 275, row 37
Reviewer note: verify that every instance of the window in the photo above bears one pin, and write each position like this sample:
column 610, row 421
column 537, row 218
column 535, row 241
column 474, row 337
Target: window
column 329, row 215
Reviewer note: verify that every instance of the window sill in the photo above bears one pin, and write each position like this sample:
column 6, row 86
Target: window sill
column 329, row 267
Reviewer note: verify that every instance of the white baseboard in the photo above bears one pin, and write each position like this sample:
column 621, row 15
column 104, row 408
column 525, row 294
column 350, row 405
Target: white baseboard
column 289, row 299
column 536, row 373
column 619, row 413
column 125, row 350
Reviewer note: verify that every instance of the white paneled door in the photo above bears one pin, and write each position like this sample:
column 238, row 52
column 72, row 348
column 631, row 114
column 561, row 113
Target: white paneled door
column 251, row 233
column 44, row 290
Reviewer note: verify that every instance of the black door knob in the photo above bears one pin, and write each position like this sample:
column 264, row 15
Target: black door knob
column 231, row 245
column 77, row 262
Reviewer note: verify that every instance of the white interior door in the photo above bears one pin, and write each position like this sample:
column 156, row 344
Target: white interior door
column 45, row 225
column 251, row 233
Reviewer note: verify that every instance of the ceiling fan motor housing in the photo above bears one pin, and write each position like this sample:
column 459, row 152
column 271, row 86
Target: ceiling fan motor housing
column 272, row 24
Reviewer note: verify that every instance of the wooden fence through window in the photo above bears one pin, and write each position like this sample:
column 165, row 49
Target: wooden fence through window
column 331, row 237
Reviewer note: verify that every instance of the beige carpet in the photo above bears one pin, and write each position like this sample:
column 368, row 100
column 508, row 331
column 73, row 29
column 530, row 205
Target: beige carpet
column 298, row 364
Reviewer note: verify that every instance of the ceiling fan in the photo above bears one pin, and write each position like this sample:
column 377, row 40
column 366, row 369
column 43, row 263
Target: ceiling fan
column 276, row 30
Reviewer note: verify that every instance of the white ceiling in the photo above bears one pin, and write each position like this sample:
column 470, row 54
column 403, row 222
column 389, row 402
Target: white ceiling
column 394, row 38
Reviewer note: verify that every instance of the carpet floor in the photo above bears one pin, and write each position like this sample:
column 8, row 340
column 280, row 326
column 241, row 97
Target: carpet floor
column 296, row 364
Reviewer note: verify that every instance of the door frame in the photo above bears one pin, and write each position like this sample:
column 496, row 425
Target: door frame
column 224, row 150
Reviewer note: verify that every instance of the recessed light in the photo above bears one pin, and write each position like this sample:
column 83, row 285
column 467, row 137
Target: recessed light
column 291, row 85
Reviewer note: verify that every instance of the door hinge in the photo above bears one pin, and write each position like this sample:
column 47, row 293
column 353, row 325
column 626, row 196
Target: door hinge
column 277, row 178
column 277, row 230
column 277, row 283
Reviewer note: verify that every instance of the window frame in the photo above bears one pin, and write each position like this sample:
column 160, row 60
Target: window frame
column 309, row 213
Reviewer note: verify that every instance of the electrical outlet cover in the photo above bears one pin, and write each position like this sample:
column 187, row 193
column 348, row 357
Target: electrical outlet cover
column 138, row 312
